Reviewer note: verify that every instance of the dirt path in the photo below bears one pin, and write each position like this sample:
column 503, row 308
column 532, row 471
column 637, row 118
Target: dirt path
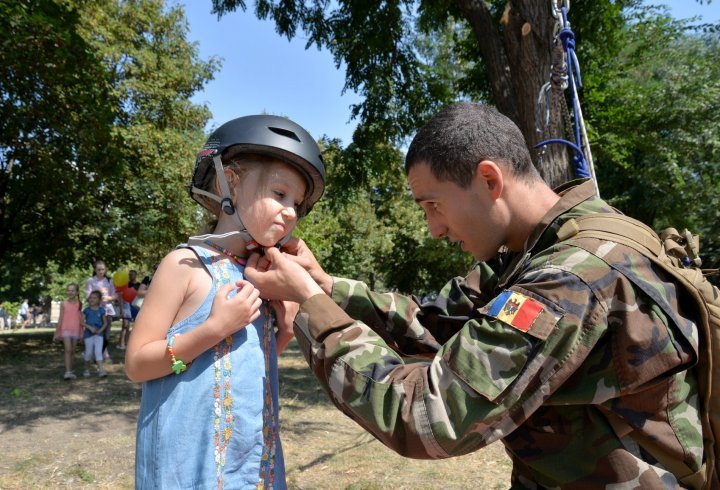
column 62, row 434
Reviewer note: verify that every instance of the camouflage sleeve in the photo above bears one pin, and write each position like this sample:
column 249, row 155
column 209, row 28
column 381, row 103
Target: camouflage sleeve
column 479, row 386
column 407, row 326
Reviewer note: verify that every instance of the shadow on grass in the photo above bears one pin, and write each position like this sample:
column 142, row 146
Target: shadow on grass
column 297, row 383
column 32, row 388
column 31, row 384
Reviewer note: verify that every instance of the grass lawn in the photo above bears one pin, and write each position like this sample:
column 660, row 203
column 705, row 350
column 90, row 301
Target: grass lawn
column 81, row 433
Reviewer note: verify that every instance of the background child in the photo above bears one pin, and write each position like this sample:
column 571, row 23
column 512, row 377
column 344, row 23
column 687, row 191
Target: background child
column 214, row 423
column 95, row 322
column 100, row 282
column 70, row 328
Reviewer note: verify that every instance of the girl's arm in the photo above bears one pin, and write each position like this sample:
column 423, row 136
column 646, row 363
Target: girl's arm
column 105, row 324
column 88, row 287
column 180, row 285
column 111, row 291
column 85, row 323
column 59, row 323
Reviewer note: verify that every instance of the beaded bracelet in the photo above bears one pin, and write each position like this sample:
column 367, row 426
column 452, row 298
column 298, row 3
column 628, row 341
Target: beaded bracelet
column 177, row 365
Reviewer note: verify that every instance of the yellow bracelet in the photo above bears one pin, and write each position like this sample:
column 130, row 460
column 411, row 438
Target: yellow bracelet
column 177, row 365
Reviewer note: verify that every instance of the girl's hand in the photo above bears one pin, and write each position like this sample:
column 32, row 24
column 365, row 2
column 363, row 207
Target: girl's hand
column 231, row 313
column 285, row 312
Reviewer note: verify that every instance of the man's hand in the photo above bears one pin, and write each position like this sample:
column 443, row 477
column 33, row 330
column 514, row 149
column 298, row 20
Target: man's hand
column 301, row 254
column 280, row 278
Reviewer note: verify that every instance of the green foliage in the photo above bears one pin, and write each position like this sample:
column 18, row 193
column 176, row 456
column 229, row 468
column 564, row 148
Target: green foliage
column 655, row 118
column 649, row 96
column 97, row 135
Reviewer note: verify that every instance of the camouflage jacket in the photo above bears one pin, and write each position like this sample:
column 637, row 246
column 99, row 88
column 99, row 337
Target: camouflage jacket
column 545, row 352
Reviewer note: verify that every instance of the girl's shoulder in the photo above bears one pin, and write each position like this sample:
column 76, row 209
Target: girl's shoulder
column 180, row 257
column 181, row 263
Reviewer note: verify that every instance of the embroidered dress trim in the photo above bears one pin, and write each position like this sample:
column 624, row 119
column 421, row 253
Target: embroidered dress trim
column 223, row 403
column 223, row 396
column 267, row 463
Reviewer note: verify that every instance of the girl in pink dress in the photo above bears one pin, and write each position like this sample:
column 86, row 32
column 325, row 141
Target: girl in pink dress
column 70, row 328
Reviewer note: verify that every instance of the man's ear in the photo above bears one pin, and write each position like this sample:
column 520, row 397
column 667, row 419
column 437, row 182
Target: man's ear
column 488, row 174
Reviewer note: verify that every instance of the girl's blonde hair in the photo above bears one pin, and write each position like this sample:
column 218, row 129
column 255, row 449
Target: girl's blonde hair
column 241, row 165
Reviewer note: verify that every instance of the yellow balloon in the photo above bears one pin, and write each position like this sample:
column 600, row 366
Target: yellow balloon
column 120, row 278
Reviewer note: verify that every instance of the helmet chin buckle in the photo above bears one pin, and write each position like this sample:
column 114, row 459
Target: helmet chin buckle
column 227, row 206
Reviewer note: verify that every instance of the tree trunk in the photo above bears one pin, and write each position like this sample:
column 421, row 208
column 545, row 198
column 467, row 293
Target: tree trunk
column 518, row 55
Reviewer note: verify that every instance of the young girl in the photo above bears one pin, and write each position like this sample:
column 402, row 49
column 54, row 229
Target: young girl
column 96, row 322
column 70, row 328
column 100, row 282
column 203, row 343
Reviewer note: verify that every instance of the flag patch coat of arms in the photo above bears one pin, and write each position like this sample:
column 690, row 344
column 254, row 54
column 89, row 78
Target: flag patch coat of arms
column 515, row 309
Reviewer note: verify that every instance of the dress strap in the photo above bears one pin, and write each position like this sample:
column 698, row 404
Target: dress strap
column 222, row 269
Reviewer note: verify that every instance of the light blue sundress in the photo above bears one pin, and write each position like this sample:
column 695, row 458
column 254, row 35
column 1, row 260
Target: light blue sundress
column 216, row 424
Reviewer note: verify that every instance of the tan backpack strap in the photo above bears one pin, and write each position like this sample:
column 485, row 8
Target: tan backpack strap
column 685, row 246
column 616, row 228
column 667, row 251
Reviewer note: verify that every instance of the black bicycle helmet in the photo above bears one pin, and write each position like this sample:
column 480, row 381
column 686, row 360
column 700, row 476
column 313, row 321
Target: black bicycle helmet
column 272, row 136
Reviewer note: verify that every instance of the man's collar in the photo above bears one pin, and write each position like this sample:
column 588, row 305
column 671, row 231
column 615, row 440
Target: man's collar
column 571, row 194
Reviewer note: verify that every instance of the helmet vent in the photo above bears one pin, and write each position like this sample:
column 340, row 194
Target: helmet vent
column 285, row 132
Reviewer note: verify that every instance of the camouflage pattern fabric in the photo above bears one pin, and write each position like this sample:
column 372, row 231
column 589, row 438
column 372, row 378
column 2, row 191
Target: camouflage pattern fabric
column 542, row 351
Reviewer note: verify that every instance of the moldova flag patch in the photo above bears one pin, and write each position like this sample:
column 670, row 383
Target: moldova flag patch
column 515, row 309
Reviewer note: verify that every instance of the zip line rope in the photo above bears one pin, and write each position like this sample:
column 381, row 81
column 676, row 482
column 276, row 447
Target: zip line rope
column 569, row 73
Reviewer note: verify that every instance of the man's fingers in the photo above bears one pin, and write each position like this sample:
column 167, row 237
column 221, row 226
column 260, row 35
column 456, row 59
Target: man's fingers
column 263, row 264
column 291, row 246
column 272, row 254
column 252, row 261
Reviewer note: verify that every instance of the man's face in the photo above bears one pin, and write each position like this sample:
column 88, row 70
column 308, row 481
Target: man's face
column 462, row 215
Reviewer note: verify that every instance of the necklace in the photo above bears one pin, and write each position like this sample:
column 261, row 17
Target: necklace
column 237, row 258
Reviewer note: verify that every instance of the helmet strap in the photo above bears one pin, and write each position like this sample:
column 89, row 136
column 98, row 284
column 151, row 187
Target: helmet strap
column 225, row 203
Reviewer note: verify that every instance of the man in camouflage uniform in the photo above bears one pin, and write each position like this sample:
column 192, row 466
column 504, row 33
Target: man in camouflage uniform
column 554, row 349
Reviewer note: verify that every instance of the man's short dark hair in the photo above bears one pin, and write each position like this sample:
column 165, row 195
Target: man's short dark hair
column 462, row 135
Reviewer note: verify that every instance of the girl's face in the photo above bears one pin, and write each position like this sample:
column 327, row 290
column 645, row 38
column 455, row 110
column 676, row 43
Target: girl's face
column 94, row 299
column 269, row 199
column 71, row 292
column 100, row 270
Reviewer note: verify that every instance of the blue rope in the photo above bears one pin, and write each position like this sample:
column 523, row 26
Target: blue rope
column 567, row 37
